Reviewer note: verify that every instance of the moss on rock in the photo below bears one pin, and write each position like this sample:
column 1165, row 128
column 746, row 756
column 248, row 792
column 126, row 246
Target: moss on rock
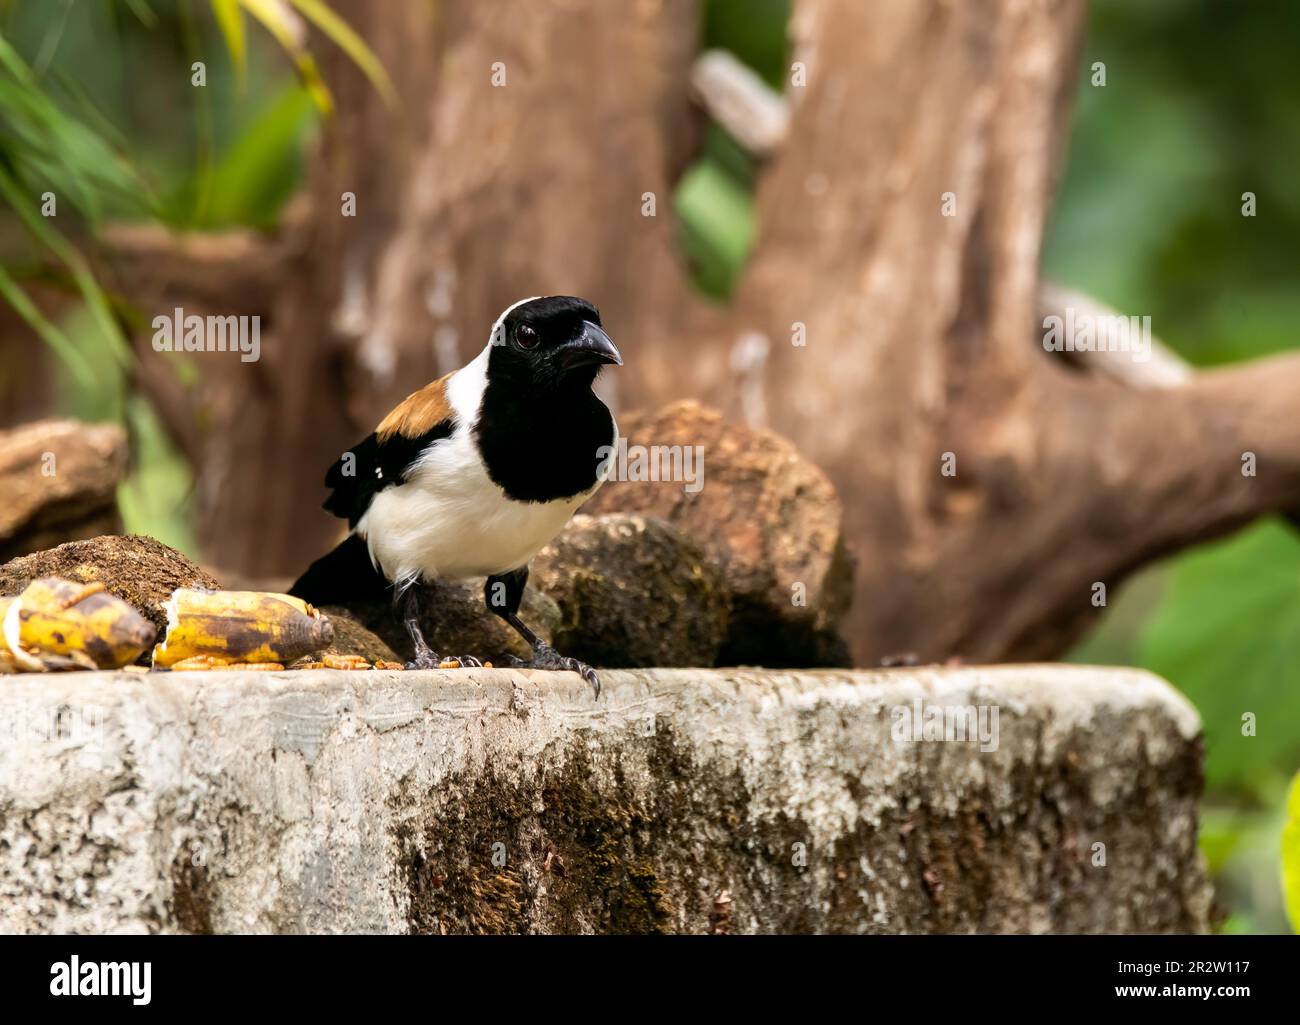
column 634, row 592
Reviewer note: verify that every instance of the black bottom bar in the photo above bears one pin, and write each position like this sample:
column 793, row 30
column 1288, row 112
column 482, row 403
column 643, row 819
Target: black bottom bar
column 680, row 975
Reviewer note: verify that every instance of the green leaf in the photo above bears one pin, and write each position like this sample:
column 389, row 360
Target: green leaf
column 69, row 256
column 59, row 343
column 341, row 34
column 273, row 19
column 754, row 30
column 717, row 216
column 230, row 19
column 255, row 177
column 143, row 12
column 45, row 149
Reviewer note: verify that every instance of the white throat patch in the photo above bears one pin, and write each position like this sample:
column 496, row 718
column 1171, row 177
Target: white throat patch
column 465, row 387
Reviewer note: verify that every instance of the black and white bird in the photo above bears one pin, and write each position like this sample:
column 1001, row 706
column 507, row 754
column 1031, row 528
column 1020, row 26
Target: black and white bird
column 473, row 474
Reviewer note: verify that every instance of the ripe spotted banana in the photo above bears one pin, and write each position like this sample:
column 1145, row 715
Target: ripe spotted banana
column 235, row 628
column 59, row 624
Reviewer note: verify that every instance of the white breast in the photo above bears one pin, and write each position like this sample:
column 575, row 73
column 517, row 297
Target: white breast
column 451, row 520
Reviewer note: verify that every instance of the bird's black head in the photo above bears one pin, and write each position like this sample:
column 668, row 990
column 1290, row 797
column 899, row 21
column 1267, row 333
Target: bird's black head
column 552, row 342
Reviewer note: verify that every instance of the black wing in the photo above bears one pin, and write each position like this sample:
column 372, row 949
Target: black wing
column 372, row 465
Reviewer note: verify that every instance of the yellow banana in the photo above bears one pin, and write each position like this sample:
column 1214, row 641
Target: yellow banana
column 59, row 624
column 8, row 663
column 239, row 628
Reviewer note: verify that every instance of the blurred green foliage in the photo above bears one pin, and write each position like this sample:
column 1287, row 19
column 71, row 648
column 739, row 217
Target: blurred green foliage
column 77, row 122
column 1226, row 632
column 1201, row 105
column 715, row 208
column 91, row 59
column 255, row 173
column 715, row 198
column 1291, row 854
column 754, row 30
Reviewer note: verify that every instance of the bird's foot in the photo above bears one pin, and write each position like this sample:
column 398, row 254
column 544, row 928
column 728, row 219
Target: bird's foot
column 546, row 657
column 463, row 662
column 427, row 659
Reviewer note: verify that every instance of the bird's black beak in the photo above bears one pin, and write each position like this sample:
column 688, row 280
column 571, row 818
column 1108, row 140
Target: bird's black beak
column 591, row 346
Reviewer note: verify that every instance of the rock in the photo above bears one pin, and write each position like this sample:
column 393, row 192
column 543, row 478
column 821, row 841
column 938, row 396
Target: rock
column 371, row 802
column 455, row 621
column 768, row 516
column 633, row 592
column 59, row 480
column 353, row 638
column 139, row 570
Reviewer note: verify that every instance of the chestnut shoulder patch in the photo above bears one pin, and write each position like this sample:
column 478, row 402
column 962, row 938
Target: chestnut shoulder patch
column 418, row 413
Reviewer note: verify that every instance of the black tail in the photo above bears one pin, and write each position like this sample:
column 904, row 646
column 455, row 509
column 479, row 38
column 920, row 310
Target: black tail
column 341, row 577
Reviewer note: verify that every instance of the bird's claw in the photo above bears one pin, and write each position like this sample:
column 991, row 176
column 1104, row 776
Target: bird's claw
column 425, row 660
column 546, row 657
column 432, row 660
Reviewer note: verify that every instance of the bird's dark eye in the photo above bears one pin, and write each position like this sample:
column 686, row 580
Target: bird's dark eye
column 525, row 337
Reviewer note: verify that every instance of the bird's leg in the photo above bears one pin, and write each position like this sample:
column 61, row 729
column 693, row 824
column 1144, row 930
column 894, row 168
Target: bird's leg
column 502, row 595
column 425, row 656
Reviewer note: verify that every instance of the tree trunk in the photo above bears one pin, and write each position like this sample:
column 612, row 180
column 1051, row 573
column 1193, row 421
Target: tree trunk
column 922, row 330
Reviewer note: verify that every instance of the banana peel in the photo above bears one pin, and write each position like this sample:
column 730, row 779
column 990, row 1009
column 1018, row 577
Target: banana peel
column 238, row 629
column 8, row 661
column 60, row 624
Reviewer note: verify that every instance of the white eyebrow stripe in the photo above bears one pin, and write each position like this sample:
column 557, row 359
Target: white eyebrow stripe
column 505, row 313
